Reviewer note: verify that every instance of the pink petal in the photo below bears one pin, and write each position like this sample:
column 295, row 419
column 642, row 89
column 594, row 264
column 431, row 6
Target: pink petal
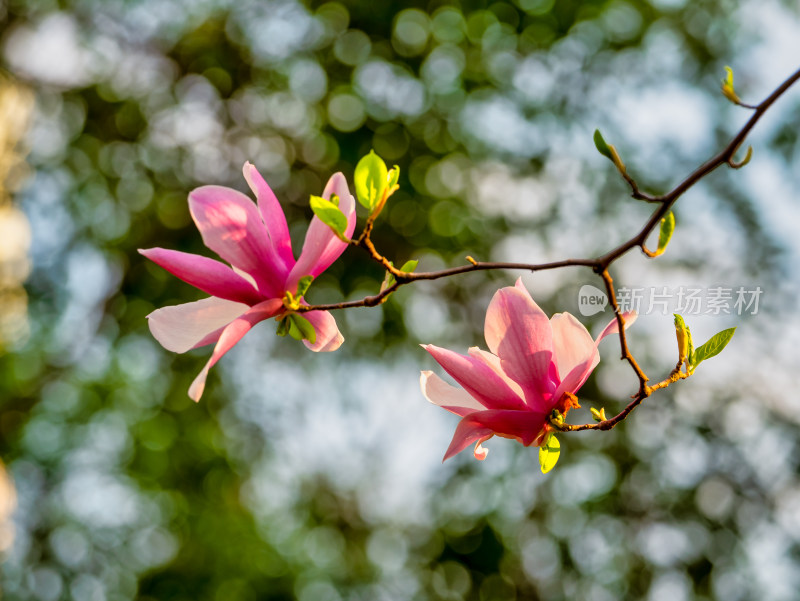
column 183, row 327
column 480, row 452
column 524, row 426
column 628, row 318
column 213, row 277
column 232, row 334
column 328, row 336
column 231, row 226
column 518, row 332
column 321, row 246
column 493, row 361
column 572, row 342
column 273, row 215
column 439, row 392
column 467, row 432
column 478, row 379
column 577, row 377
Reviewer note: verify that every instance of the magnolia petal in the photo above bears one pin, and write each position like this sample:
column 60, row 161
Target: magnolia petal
column 232, row 334
column 231, row 226
column 478, row 379
column 272, row 213
column 523, row 426
column 180, row 328
column 518, row 332
column 480, row 452
column 329, row 338
column 572, row 343
column 213, row 277
column 321, row 246
column 577, row 377
column 467, row 432
column 439, row 392
column 628, row 318
column 493, row 361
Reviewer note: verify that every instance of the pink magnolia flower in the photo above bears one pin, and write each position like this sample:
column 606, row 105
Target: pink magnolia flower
column 255, row 241
column 535, row 365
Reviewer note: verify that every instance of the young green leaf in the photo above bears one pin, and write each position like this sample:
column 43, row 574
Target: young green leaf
column 303, row 327
column 409, row 266
column 370, row 178
column 712, row 347
column 601, row 145
column 598, row 415
column 727, row 86
column 393, row 176
column 728, row 77
column 303, row 285
column 548, row 453
column 330, row 215
column 664, row 235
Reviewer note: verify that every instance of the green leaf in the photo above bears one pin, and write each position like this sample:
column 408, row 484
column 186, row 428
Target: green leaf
column 302, row 327
column 409, row 266
column 664, row 235
column 371, row 180
column 601, row 145
column 712, row 347
column 329, row 214
column 303, row 284
column 548, row 454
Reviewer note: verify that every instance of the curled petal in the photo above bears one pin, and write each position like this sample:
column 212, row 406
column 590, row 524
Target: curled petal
column 468, row 431
column 480, row 452
column 329, row 338
column 183, row 327
column 321, row 246
column 208, row 275
column 272, row 213
column 231, row 226
column 439, row 392
column 518, row 332
column 232, row 334
column 478, row 379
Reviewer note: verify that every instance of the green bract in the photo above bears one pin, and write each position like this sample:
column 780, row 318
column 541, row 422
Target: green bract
column 549, row 453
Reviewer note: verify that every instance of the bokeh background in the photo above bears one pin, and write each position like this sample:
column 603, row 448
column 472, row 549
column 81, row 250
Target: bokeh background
column 318, row 477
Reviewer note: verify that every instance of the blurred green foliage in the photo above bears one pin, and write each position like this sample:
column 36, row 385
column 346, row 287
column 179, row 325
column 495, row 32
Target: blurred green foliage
column 130, row 491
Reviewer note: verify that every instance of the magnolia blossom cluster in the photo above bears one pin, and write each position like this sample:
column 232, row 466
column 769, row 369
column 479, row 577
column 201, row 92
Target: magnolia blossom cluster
column 535, row 364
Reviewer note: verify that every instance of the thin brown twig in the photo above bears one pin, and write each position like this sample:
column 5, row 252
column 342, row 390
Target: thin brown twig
column 599, row 265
